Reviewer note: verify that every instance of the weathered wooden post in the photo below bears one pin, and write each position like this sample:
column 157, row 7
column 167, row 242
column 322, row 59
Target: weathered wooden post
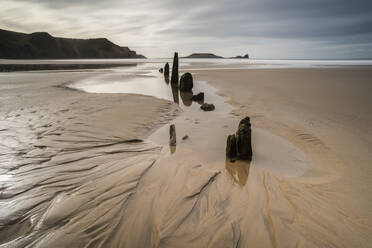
column 166, row 70
column 231, row 146
column 172, row 135
column 174, row 78
column 186, row 82
column 175, row 94
column 243, row 140
column 239, row 145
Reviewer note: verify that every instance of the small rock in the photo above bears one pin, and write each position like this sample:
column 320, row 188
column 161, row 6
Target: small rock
column 207, row 107
column 186, row 82
column 172, row 135
column 185, row 137
column 199, row 97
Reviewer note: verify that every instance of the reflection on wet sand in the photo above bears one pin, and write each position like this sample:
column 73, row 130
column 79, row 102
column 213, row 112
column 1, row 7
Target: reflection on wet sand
column 175, row 94
column 238, row 170
column 166, row 79
column 172, row 149
column 186, row 98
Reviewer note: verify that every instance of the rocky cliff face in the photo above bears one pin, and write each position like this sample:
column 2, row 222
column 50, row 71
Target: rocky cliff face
column 42, row 45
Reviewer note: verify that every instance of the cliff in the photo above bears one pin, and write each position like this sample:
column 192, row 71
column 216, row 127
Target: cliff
column 42, row 45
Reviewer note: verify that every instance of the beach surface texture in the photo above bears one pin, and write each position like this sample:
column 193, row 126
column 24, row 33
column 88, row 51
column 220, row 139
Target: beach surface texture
column 84, row 163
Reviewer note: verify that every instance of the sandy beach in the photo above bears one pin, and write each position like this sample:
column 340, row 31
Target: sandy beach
column 85, row 169
column 327, row 114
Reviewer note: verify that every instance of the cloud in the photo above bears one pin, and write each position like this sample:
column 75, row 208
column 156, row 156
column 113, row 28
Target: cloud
column 263, row 28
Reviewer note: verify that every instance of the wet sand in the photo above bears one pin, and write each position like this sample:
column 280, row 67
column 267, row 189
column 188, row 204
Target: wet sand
column 95, row 170
column 70, row 160
column 327, row 114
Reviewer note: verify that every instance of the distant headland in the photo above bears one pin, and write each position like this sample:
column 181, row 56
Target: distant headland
column 42, row 45
column 203, row 56
column 212, row 56
column 241, row 57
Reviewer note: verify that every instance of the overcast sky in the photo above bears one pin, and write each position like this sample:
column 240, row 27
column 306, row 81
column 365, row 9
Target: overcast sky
column 157, row 28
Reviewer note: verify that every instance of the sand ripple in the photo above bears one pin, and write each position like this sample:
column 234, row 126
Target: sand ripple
column 65, row 183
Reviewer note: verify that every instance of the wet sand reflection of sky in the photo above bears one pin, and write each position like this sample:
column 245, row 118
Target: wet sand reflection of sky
column 238, row 170
column 148, row 82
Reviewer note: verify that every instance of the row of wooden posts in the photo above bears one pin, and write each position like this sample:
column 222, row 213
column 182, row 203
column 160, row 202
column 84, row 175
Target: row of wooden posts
column 174, row 78
column 238, row 145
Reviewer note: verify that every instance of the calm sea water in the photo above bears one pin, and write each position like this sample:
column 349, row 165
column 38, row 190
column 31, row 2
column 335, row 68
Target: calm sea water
column 243, row 63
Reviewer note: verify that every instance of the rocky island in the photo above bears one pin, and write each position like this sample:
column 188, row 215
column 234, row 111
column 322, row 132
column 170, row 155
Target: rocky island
column 213, row 56
column 42, row 45
column 203, row 56
column 241, row 57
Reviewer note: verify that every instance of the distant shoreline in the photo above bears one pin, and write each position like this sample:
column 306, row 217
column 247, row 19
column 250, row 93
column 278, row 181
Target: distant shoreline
column 212, row 56
column 14, row 65
column 39, row 67
column 42, row 45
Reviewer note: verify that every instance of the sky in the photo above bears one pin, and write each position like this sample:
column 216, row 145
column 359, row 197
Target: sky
column 267, row 29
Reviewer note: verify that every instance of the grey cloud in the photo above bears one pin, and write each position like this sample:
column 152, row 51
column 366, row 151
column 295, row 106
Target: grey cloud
column 284, row 27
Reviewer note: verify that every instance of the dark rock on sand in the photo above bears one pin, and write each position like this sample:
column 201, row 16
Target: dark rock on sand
column 186, row 82
column 198, row 97
column 161, row 70
column 185, row 137
column 243, row 140
column 174, row 78
column 172, row 135
column 231, row 150
column 207, row 107
column 166, row 70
